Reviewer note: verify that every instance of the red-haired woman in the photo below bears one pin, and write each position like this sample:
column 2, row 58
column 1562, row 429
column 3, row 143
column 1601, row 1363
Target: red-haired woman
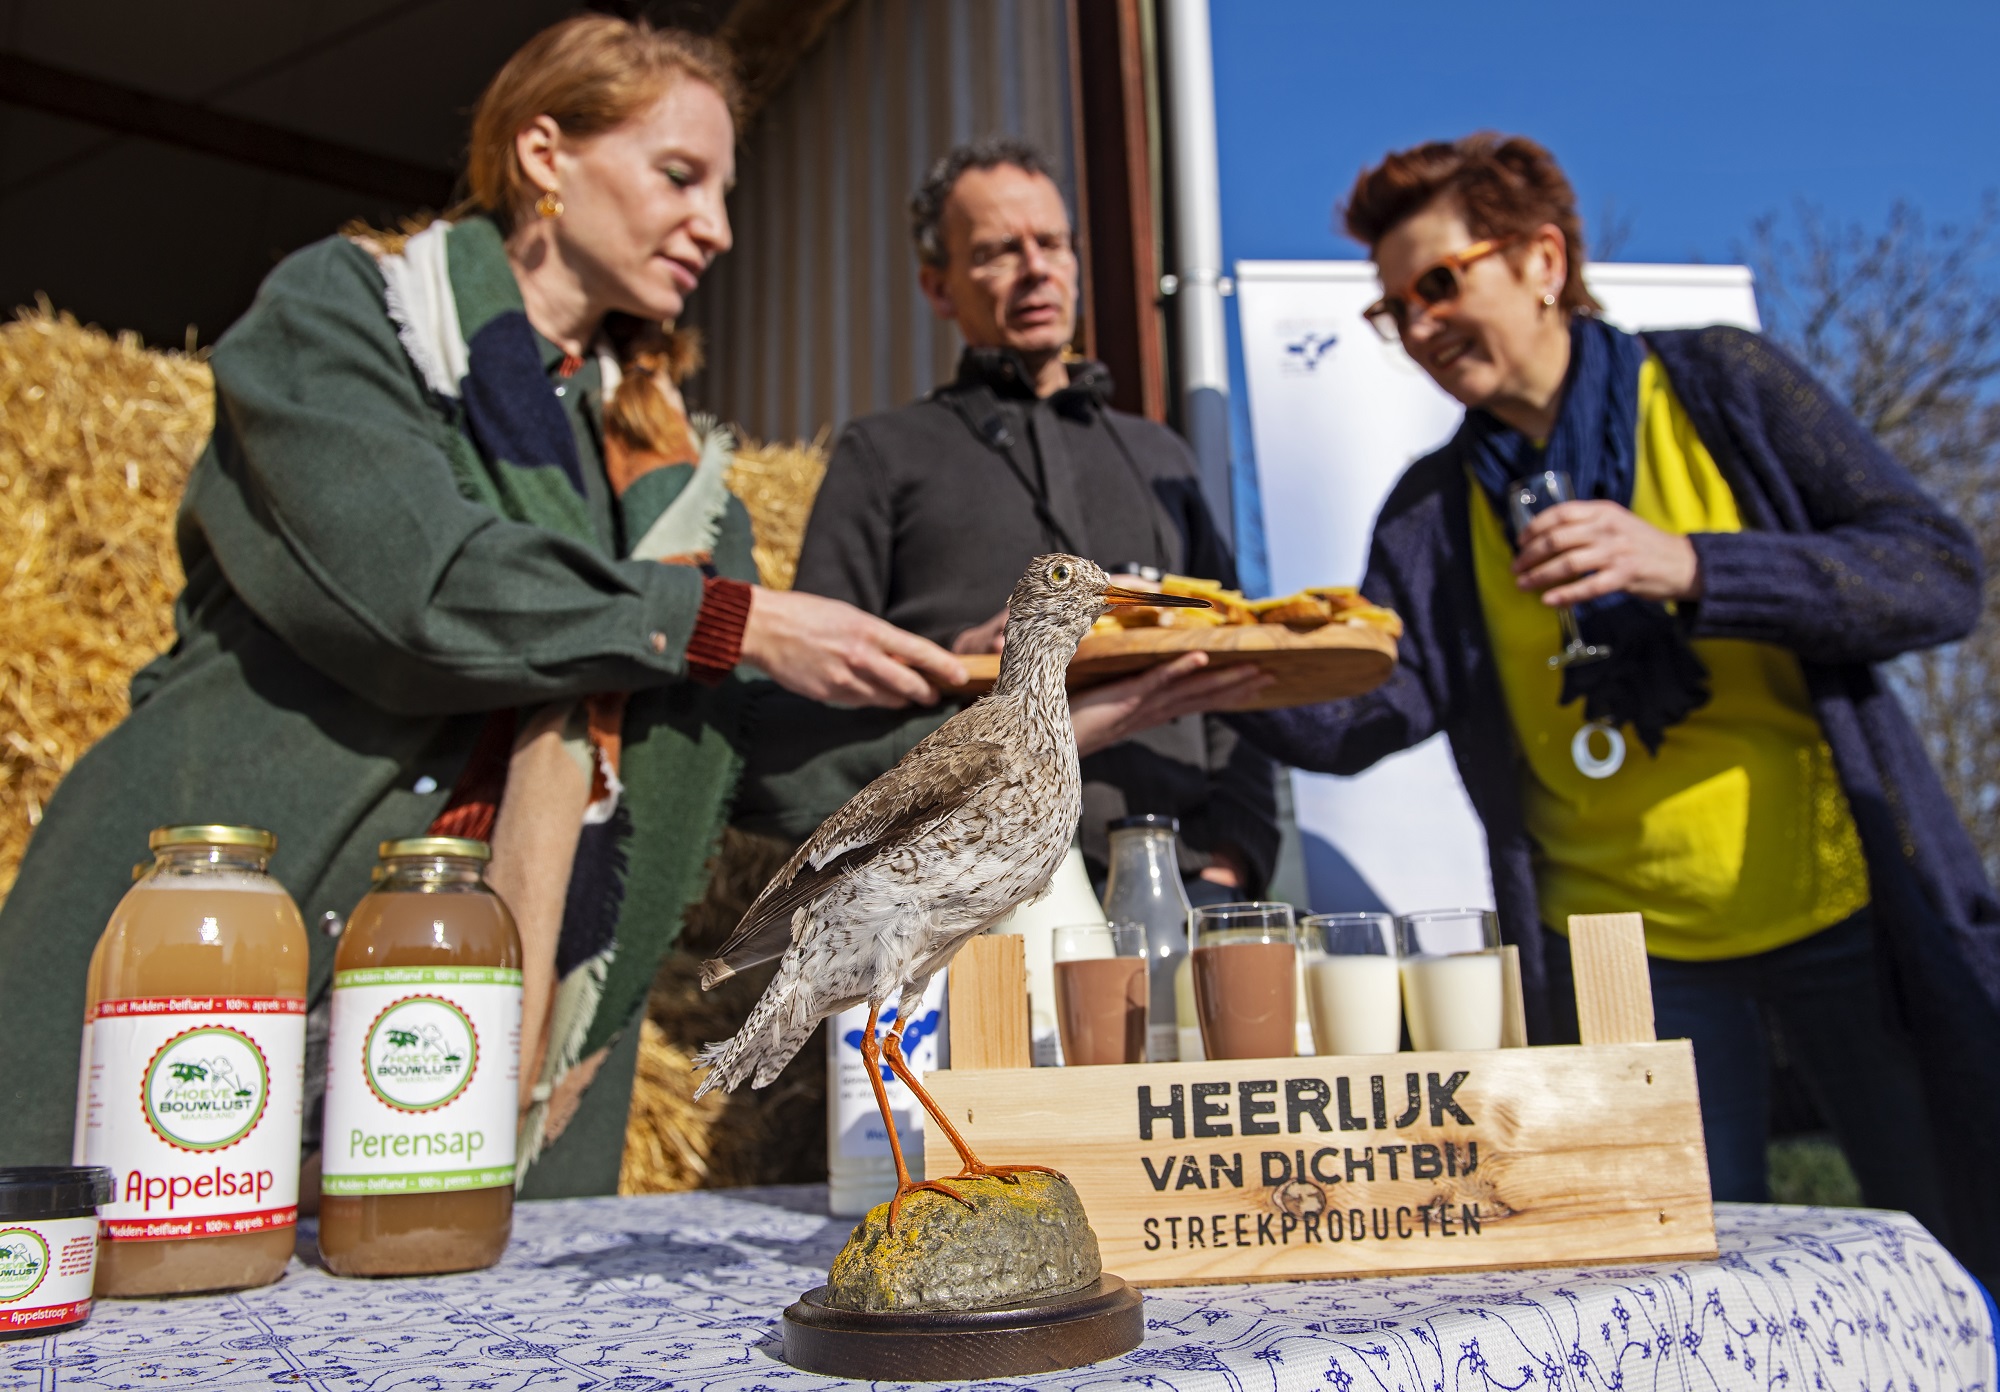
column 1734, row 767
column 424, row 587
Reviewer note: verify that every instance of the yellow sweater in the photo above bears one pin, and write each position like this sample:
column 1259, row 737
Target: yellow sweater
column 1737, row 838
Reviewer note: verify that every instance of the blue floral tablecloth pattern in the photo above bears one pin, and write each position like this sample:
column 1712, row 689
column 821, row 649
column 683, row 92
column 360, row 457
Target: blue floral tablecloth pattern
column 684, row 1290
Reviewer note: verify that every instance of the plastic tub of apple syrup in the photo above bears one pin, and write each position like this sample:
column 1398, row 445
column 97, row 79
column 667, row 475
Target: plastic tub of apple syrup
column 193, row 1068
column 48, row 1246
column 423, row 1069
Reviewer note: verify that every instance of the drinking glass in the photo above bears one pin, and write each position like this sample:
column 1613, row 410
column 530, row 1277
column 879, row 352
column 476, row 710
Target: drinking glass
column 1101, row 992
column 1526, row 497
column 1246, row 980
column 1451, row 978
column 1352, row 988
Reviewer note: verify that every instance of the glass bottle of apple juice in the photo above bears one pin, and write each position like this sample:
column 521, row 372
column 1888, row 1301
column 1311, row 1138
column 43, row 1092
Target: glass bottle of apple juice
column 193, row 1068
column 423, row 1069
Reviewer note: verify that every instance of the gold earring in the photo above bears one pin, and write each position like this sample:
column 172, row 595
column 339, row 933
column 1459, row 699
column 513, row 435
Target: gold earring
column 548, row 205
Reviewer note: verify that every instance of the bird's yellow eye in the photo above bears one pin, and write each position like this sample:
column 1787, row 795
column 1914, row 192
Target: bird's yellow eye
column 1059, row 574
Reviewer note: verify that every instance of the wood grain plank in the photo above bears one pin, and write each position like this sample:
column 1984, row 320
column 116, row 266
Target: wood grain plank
column 1506, row 1158
column 1513, row 1004
column 1614, row 991
column 989, row 1004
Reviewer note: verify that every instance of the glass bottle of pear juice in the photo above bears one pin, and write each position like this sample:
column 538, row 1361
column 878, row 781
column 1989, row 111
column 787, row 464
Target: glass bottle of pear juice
column 192, row 1082
column 423, row 1069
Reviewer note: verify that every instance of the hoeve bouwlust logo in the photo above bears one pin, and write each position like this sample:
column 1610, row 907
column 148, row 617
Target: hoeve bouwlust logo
column 24, row 1261
column 205, row 1088
column 420, row 1054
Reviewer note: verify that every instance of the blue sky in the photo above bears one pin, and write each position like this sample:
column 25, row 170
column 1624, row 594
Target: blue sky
column 1690, row 119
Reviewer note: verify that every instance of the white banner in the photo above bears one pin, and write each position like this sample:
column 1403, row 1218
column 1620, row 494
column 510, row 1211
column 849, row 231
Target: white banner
column 1336, row 415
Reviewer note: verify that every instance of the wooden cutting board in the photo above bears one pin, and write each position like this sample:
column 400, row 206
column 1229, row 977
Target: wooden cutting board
column 1320, row 665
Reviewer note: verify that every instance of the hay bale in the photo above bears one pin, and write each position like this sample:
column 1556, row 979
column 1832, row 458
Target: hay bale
column 97, row 435
column 772, row 1135
column 777, row 483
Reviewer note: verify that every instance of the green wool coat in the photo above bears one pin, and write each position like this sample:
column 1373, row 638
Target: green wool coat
column 358, row 599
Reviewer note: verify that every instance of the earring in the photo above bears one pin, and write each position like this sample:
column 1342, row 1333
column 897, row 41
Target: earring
column 548, row 205
column 1548, row 299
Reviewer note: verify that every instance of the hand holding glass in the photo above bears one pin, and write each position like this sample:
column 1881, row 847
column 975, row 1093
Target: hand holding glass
column 1352, row 990
column 1527, row 497
column 1451, row 978
column 1246, row 980
column 1101, row 993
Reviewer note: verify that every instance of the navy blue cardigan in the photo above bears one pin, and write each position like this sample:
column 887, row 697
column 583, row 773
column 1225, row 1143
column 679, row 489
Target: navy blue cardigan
column 1845, row 561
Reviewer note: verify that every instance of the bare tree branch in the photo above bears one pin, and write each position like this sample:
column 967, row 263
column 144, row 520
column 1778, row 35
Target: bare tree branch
column 1904, row 323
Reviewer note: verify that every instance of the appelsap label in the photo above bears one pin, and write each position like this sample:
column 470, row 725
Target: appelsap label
column 194, row 1103
column 423, row 1077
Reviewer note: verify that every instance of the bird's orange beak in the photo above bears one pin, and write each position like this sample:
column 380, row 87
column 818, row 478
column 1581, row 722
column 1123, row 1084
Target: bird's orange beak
column 1116, row 597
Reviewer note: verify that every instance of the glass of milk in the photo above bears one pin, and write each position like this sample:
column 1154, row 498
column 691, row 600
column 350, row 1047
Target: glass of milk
column 1352, row 990
column 1451, row 978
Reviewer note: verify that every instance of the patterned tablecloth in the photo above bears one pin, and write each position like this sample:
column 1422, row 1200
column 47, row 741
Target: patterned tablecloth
column 684, row 1291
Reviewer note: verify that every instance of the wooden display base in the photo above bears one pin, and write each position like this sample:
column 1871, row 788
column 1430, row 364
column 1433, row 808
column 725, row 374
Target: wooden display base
column 1290, row 1168
column 1037, row 1336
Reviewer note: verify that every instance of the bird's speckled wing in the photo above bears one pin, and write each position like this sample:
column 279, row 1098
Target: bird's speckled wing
column 927, row 784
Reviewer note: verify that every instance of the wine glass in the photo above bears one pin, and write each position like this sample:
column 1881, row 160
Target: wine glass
column 1526, row 497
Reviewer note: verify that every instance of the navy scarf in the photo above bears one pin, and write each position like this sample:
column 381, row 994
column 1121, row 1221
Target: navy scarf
column 1653, row 680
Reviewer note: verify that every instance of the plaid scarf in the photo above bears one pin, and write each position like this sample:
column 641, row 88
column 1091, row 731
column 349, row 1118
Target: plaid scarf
column 565, row 792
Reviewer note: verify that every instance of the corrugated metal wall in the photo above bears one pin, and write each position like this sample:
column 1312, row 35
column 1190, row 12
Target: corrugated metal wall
column 815, row 317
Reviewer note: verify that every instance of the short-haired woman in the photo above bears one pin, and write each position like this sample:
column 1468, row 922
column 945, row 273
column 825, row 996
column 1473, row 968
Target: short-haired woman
column 424, row 588
column 1735, row 768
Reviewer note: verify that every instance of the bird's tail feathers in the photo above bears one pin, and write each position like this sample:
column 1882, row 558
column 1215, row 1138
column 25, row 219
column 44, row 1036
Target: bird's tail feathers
column 778, row 1027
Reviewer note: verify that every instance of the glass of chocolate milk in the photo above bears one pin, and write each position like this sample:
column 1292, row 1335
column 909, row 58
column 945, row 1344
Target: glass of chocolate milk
column 1101, row 992
column 1246, row 981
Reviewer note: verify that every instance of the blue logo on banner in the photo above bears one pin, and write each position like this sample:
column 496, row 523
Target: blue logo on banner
column 919, row 1029
column 1308, row 348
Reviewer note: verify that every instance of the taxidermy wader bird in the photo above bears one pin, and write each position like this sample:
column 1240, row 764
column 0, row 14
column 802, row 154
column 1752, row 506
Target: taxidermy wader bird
column 970, row 824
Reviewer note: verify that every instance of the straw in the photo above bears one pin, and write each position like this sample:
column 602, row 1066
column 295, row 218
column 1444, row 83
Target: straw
column 97, row 435
column 777, row 483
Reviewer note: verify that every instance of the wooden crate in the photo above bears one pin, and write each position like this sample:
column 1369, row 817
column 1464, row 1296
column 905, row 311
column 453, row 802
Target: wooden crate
column 1275, row 1169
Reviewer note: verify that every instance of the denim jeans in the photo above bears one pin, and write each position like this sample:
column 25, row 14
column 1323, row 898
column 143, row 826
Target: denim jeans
column 1822, row 997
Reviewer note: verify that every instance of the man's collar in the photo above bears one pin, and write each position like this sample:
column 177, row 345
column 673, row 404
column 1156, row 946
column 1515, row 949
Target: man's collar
column 1006, row 375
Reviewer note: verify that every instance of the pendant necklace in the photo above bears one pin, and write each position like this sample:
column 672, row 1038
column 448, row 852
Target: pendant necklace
column 1588, row 762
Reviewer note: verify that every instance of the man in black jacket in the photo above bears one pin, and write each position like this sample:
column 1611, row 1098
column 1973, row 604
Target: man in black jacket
column 929, row 513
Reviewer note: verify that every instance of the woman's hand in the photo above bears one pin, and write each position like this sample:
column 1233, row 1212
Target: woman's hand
column 1579, row 551
column 830, row 651
column 1112, row 713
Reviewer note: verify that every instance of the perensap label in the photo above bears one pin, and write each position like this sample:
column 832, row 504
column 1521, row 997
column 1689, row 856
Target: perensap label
column 194, row 1103
column 423, row 1073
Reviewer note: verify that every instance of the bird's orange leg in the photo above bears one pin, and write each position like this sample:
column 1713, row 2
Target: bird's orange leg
column 972, row 1167
column 871, row 1058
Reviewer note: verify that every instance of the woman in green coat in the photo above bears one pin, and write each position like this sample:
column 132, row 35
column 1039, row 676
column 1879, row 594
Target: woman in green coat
column 425, row 590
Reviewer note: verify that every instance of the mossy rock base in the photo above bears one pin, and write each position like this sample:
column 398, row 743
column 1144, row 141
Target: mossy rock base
column 1022, row 1241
